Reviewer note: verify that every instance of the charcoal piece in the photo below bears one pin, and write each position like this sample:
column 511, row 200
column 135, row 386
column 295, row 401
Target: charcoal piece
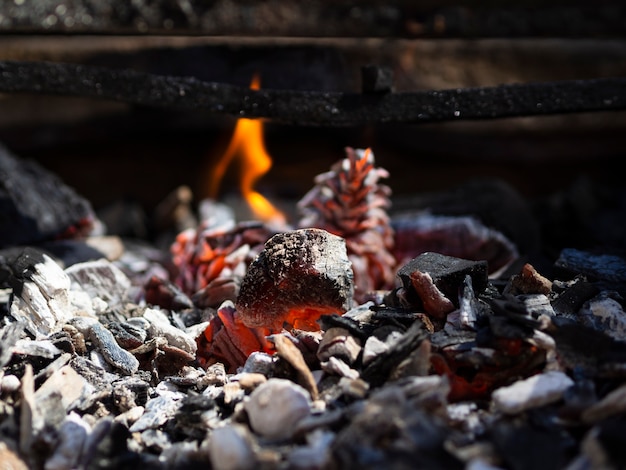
column 378, row 370
column 299, row 275
column 570, row 301
column 447, row 273
column 511, row 319
column 522, row 446
column 165, row 294
column 610, row 435
column 341, row 321
column 390, row 432
column 605, row 313
column 286, row 350
column 8, row 337
column 189, row 419
column 103, row 279
column 590, row 351
column 110, row 449
column 608, row 270
column 127, row 335
column 119, row 358
column 36, row 206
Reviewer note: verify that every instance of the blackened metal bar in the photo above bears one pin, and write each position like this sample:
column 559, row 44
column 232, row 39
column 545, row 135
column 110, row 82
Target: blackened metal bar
column 314, row 108
column 317, row 18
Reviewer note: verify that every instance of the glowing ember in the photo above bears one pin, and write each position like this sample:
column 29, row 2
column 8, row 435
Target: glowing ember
column 248, row 145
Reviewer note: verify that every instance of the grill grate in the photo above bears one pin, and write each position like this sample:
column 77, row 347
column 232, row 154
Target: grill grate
column 310, row 107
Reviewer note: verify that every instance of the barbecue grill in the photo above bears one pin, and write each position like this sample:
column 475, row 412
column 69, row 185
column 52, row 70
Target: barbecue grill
column 437, row 319
column 443, row 89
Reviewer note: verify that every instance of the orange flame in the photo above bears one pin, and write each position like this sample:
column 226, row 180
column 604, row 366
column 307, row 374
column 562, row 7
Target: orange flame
column 248, row 145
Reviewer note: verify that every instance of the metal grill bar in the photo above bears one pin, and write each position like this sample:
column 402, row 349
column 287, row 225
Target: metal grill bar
column 310, row 107
column 316, row 18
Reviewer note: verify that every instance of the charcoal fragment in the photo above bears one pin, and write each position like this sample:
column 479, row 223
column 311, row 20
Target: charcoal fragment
column 112, row 352
column 447, row 274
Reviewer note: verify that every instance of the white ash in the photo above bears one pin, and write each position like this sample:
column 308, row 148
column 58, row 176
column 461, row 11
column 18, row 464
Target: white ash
column 160, row 326
column 605, row 313
column 537, row 304
column 532, row 392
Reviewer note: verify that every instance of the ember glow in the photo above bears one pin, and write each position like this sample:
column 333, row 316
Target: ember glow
column 247, row 144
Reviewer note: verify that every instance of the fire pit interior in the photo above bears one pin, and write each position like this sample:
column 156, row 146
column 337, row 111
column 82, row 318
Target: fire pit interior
column 326, row 236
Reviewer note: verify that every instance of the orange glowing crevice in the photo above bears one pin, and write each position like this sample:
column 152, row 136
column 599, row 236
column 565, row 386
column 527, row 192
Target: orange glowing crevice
column 247, row 144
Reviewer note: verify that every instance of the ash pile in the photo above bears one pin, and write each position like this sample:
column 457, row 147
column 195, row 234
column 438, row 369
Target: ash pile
column 436, row 337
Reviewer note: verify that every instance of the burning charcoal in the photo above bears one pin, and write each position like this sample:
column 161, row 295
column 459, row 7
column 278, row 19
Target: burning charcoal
column 587, row 349
column 300, row 275
column 435, row 280
column 63, row 341
column 349, row 201
column 427, row 392
column 435, row 303
column 226, row 339
column 214, row 256
column 119, row 358
column 605, row 313
column 231, row 447
column 48, row 209
column 532, row 392
column 275, row 408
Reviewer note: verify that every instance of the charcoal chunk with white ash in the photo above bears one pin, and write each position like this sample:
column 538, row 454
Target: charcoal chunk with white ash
column 299, row 275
